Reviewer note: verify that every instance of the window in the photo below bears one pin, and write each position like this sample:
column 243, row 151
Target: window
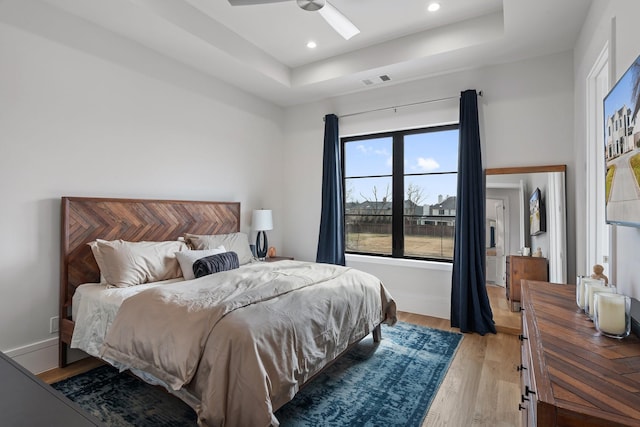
column 400, row 193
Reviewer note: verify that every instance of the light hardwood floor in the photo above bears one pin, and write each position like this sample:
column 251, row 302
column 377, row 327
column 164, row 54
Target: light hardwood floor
column 481, row 387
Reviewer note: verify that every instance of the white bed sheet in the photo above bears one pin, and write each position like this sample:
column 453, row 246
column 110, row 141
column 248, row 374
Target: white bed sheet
column 94, row 308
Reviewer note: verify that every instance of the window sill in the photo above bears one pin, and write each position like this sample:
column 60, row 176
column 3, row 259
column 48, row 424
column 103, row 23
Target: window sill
column 398, row 262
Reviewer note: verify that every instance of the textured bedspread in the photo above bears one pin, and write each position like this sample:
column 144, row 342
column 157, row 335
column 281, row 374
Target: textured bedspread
column 243, row 341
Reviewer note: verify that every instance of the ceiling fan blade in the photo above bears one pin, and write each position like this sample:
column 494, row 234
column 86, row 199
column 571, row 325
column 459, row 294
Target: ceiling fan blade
column 252, row 2
column 338, row 21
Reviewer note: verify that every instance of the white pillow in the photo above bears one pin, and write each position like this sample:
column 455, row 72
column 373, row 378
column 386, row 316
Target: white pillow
column 98, row 257
column 234, row 242
column 187, row 258
column 126, row 264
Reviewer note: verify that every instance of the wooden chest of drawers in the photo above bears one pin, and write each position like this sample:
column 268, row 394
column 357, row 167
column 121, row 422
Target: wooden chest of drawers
column 570, row 374
column 519, row 268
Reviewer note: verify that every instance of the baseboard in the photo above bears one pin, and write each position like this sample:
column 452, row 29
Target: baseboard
column 37, row 357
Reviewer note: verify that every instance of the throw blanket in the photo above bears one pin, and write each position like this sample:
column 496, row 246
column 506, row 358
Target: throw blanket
column 247, row 338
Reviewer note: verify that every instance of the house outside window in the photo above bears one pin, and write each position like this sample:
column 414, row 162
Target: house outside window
column 400, row 193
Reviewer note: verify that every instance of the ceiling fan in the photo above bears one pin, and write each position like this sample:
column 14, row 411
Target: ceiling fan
column 337, row 20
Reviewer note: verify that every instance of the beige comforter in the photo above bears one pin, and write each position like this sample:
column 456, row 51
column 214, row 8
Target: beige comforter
column 243, row 341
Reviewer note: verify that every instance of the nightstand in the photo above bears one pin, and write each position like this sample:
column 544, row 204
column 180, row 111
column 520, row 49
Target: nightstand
column 278, row 258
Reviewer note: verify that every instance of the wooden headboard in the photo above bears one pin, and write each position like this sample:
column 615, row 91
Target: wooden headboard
column 85, row 219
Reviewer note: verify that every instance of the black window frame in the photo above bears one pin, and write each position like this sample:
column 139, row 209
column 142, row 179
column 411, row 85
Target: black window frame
column 397, row 192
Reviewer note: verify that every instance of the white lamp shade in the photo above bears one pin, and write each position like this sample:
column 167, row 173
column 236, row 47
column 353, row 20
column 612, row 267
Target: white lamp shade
column 262, row 220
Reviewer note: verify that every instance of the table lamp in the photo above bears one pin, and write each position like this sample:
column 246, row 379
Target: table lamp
column 262, row 221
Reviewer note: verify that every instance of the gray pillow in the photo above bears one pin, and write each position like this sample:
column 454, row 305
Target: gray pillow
column 236, row 242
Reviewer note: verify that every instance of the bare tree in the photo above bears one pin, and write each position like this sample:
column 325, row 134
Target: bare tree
column 377, row 206
column 416, row 195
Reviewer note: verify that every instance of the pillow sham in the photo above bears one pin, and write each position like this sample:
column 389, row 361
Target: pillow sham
column 236, row 242
column 98, row 257
column 215, row 264
column 126, row 264
column 187, row 258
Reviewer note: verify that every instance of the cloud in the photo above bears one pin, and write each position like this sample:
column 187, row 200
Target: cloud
column 427, row 165
column 363, row 149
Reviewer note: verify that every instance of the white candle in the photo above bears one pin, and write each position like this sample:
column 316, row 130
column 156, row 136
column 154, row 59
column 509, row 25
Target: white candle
column 590, row 287
column 611, row 314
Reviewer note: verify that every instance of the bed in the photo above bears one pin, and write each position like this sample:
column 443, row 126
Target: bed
column 249, row 337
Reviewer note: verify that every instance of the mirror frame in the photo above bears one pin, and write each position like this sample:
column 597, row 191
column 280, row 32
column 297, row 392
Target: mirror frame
column 532, row 169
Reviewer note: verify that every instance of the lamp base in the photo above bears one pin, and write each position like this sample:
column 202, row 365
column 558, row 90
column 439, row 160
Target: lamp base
column 261, row 245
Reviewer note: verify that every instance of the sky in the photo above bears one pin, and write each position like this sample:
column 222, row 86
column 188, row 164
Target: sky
column 620, row 95
column 426, row 152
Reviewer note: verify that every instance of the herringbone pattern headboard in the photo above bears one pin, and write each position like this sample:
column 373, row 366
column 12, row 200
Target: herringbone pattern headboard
column 87, row 219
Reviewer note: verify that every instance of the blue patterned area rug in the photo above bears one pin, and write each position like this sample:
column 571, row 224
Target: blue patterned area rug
column 389, row 384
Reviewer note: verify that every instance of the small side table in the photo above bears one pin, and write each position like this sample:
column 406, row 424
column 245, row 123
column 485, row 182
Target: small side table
column 278, row 258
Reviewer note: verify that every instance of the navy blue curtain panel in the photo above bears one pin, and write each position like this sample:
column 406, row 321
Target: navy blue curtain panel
column 470, row 308
column 331, row 238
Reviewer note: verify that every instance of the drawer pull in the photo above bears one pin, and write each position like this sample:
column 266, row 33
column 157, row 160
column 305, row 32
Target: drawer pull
column 521, row 408
column 520, row 368
column 523, row 399
column 528, row 391
column 522, row 337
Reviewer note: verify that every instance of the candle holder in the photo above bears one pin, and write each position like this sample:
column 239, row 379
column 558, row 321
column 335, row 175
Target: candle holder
column 580, row 291
column 612, row 314
column 591, row 286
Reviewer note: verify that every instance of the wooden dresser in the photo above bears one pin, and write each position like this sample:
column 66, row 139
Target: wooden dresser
column 519, row 268
column 570, row 374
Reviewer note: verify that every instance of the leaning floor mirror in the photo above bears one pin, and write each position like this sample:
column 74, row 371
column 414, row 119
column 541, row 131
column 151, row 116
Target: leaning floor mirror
column 526, row 216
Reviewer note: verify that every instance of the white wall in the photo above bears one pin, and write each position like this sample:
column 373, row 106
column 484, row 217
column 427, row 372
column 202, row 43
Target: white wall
column 526, row 118
column 85, row 113
column 624, row 47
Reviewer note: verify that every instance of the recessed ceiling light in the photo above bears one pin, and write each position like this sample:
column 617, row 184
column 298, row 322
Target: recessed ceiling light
column 433, row 7
column 311, row 44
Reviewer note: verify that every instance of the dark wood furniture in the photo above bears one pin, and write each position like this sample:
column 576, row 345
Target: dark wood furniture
column 570, row 374
column 25, row 400
column 85, row 219
column 519, row 268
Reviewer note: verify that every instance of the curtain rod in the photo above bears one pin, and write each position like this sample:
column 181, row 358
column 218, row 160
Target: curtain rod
column 401, row 106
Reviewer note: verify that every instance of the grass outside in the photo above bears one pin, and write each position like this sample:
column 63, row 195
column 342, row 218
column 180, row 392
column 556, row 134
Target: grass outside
column 635, row 165
column 611, row 170
column 419, row 246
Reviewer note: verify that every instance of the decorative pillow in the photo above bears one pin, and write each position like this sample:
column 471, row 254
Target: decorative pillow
column 98, row 257
column 126, row 264
column 187, row 258
column 215, row 264
column 236, row 242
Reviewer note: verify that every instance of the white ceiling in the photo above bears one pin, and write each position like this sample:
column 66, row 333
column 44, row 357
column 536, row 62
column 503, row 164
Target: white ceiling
column 262, row 48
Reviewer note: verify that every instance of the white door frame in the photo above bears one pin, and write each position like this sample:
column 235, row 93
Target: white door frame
column 597, row 231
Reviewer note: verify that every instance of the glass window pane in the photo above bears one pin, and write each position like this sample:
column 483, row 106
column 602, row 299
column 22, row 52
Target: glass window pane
column 429, row 215
column 358, row 190
column 368, row 215
column 370, row 157
column 431, row 152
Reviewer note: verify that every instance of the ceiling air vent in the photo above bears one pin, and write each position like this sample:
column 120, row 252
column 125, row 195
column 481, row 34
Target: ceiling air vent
column 376, row 80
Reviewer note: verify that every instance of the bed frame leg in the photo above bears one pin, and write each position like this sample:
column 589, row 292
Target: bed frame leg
column 377, row 334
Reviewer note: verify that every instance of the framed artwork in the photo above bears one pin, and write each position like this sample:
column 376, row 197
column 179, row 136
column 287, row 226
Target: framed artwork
column 537, row 217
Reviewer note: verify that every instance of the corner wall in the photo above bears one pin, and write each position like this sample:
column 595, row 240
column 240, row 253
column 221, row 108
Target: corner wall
column 624, row 47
